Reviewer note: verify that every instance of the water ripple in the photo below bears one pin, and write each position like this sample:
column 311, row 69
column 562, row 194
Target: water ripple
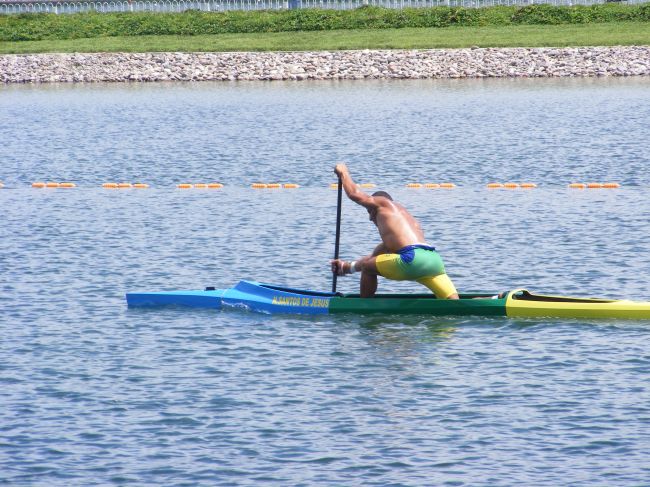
column 94, row 393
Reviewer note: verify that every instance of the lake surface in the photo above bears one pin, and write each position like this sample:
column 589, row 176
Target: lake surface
column 94, row 393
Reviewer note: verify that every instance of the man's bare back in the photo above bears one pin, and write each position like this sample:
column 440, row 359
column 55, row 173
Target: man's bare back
column 397, row 227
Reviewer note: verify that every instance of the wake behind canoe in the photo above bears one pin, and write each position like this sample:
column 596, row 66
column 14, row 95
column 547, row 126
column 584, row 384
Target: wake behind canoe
column 270, row 298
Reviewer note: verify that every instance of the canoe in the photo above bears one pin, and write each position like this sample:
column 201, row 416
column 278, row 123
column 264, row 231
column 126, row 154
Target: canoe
column 269, row 298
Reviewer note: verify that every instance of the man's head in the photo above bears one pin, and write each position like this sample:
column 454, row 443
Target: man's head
column 383, row 194
column 372, row 213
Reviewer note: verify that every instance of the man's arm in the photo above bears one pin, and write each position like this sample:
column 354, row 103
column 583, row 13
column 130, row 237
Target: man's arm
column 352, row 190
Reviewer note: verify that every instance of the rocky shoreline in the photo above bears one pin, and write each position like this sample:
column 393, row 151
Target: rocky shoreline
column 327, row 65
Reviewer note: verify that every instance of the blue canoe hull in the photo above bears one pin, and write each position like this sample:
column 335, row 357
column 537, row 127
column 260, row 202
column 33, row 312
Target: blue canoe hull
column 250, row 295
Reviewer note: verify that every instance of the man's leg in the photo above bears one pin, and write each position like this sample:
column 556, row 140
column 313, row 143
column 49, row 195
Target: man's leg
column 367, row 266
column 368, row 282
column 441, row 286
column 369, row 273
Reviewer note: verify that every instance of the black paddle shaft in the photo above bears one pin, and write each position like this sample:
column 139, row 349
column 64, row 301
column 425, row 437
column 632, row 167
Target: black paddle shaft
column 338, row 230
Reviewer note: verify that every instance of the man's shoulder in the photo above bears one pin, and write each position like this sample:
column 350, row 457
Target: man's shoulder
column 386, row 203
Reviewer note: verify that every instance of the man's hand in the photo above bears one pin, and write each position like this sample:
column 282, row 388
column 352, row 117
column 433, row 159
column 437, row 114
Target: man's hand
column 338, row 266
column 340, row 170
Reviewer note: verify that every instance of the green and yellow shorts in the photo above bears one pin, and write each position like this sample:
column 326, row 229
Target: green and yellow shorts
column 419, row 263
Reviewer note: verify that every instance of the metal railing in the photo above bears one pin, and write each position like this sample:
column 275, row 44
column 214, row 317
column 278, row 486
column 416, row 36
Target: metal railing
column 62, row 7
column 400, row 4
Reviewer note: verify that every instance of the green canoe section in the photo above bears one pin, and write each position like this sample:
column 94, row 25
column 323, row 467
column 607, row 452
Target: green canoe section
column 469, row 304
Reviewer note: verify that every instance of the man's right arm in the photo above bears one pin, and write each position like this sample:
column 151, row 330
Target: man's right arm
column 352, row 190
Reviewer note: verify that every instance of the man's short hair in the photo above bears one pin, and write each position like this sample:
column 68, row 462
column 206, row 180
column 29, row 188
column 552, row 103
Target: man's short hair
column 383, row 194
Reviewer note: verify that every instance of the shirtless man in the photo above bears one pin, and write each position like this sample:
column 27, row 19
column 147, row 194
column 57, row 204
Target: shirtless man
column 403, row 253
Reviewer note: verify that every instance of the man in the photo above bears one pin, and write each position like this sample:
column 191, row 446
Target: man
column 403, row 253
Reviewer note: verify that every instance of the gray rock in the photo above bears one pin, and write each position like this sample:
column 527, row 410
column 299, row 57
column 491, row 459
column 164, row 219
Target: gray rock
column 416, row 64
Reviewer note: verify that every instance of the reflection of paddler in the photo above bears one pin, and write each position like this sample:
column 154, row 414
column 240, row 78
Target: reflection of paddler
column 403, row 253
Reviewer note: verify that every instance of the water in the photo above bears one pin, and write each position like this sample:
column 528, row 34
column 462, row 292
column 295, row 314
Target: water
column 93, row 393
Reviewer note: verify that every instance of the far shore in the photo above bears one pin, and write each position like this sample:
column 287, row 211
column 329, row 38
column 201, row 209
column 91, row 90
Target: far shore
column 327, row 65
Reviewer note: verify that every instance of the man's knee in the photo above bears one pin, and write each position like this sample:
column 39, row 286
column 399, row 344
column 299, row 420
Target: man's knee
column 368, row 265
column 379, row 249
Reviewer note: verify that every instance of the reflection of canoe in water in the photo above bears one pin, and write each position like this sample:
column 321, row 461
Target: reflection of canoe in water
column 277, row 299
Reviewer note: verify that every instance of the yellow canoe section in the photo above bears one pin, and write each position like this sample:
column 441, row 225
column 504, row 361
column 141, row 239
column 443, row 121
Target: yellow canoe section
column 521, row 303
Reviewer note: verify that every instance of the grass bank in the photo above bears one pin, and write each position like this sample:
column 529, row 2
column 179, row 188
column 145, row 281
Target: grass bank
column 363, row 28
column 609, row 34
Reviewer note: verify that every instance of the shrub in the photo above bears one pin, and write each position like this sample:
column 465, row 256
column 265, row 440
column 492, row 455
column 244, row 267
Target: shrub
column 40, row 26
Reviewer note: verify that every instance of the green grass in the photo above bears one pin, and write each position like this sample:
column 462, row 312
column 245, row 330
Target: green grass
column 606, row 34
column 313, row 29
column 38, row 27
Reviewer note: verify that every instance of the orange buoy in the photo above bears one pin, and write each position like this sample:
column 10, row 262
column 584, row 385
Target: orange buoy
column 510, row 185
column 494, row 185
column 258, row 185
column 334, row 186
column 140, row 185
column 200, row 186
column 215, row 185
column 594, row 185
column 109, row 185
column 414, row 185
column 527, row 185
column 431, row 185
column 184, row 186
column 51, row 184
column 290, row 186
column 367, row 185
column 124, row 185
column 611, row 185
column 577, row 185
column 273, row 185
column 447, row 185
column 67, row 185
column 38, row 185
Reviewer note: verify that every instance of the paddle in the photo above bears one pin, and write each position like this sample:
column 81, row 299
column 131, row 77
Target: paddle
column 338, row 231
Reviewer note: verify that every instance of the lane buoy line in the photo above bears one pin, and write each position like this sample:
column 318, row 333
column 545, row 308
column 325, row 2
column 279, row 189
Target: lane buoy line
column 274, row 186
column 492, row 185
column 199, row 186
column 53, row 184
column 125, row 185
column 594, row 185
column 431, row 185
column 511, row 185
